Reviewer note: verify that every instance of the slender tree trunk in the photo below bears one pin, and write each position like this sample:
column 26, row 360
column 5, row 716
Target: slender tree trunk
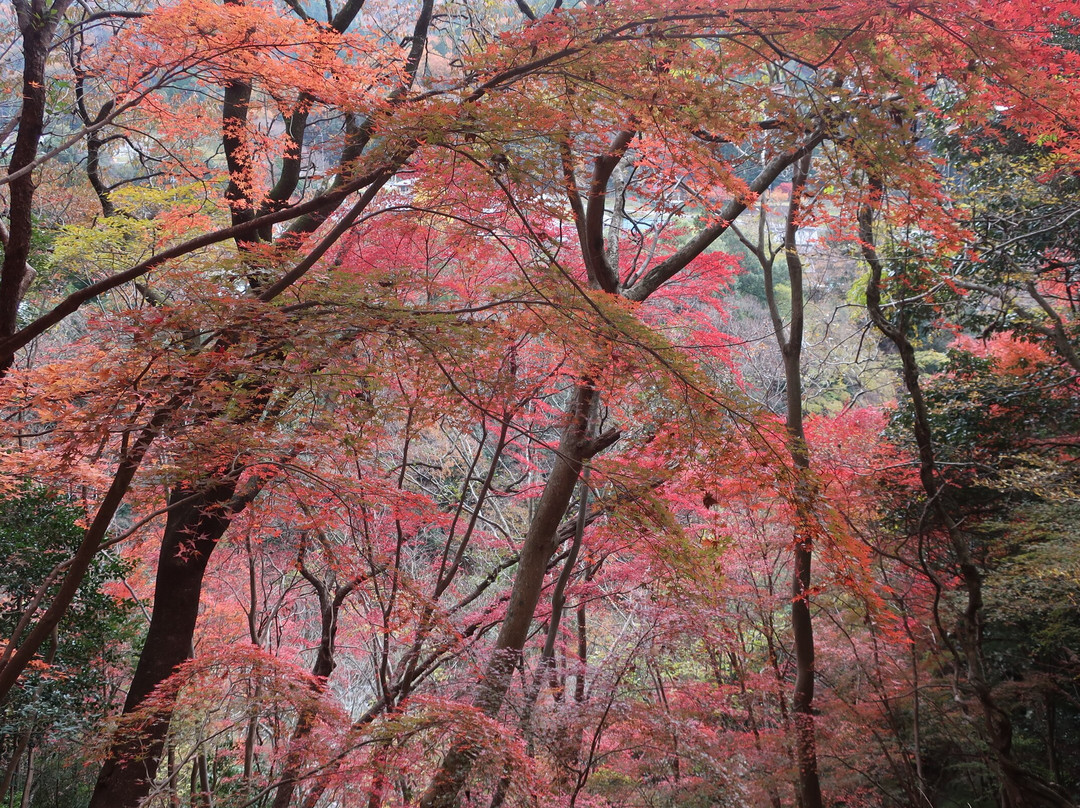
column 377, row 790
column 174, row 785
column 801, row 624
column 540, row 543
column 200, row 782
column 574, row 742
column 329, row 607
column 546, row 665
column 28, row 735
column 28, row 783
column 251, row 735
column 14, row 761
column 1019, row 788
column 294, row 758
column 789, row 340
column 802, row 702
column 1052, row 759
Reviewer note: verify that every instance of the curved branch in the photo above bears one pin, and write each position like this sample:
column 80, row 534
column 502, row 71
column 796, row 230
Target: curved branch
column 677, row 261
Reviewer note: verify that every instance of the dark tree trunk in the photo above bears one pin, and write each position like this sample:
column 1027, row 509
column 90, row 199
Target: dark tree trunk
column 1019, row 787
column 1052, row 759
column 37, row 22
column 195, row 523
column 789, row 340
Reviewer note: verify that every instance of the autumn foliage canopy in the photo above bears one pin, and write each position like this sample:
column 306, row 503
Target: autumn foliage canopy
column 442, row 403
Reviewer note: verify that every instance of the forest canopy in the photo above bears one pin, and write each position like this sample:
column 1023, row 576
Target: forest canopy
column 442, row 403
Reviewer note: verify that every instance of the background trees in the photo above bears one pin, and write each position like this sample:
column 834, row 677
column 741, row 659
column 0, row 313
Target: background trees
column 386, row 345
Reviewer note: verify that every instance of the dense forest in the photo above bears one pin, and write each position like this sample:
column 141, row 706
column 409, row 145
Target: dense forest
column 615, row 404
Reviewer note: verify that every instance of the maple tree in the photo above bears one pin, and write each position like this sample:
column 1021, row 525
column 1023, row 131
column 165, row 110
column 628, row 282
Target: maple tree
column 383, row 338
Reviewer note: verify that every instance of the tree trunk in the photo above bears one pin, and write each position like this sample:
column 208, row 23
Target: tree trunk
column 28, row 735
column 540, row 542
column 37, row 22
column 789, row 340
column 546, row 666
column 28, row 783
column 13, row 762
column 1020, row 788
column 200, row 782
column 329, row 607
column 173, row 784
column 194, row 525
column 1052, row 759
